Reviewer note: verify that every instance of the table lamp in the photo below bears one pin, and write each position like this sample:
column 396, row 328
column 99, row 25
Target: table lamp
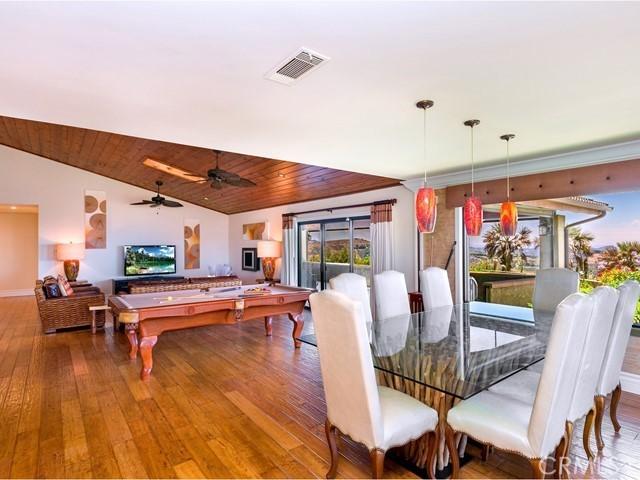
column 268, row 252
column 70, row 254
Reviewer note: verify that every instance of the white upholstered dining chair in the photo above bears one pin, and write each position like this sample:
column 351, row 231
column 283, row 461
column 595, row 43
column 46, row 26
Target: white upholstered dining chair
column 392, row 298
column 553, row 285
column 533, row 430
column 379, row 417
column 609, row 378
column 523, row 385
column 436, row 291
column 355, row 287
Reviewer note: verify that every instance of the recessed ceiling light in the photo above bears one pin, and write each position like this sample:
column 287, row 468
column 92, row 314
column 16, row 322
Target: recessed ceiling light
column 175, row 171
column 205, row 198
column 13, row 207
column 282, row 175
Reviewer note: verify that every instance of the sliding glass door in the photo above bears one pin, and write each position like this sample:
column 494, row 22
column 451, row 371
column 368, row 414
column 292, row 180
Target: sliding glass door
column 328, row 248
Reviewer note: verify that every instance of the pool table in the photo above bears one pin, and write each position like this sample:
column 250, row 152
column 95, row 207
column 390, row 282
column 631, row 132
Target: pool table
column 148, row 315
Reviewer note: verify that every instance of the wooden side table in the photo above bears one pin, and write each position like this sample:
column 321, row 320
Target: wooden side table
column 93, row 309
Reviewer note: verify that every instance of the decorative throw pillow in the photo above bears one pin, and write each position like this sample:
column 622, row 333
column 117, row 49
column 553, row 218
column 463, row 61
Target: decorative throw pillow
column 52, row 290
column 65, row 288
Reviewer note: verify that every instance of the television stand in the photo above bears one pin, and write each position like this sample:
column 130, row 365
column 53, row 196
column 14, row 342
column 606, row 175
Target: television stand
column 121, row 285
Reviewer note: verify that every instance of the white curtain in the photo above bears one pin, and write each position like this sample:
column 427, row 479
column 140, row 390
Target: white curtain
column 381, row 237
column 289, row 273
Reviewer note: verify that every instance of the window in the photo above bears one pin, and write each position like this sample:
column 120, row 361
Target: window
column 328, row 248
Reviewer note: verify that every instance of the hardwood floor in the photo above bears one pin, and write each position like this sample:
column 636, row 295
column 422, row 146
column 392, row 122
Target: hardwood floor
column 223, row 401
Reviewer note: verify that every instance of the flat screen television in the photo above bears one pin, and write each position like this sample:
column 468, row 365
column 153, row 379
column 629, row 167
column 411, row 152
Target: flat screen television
column 149, row 259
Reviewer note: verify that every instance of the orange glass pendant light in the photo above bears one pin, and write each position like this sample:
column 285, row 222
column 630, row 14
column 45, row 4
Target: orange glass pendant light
column 508, row 209
column 472, row 211
column 426, row 200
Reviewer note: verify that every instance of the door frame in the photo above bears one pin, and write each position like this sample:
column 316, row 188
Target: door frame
column 322, row 224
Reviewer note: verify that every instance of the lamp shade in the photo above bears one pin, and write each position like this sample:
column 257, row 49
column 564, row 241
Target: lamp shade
column 70, row 251
column 268, row 249
column 508, row 218
column 473, row 216
column 426, row 209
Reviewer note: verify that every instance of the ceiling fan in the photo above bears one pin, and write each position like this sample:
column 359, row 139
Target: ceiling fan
column 218, row 177
column 158, row 201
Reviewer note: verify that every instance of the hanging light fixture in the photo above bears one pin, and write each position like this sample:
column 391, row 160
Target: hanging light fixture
column 426, row 208
column 472, row 211
column 508, row 209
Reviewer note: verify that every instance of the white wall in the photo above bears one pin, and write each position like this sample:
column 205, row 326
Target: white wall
column 19, row 250
column 403, row 221
column 58, row 190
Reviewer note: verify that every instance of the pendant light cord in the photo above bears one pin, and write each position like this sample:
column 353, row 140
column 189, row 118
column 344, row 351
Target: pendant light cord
column 424, row 144
column 472, row 165
column 508, row 177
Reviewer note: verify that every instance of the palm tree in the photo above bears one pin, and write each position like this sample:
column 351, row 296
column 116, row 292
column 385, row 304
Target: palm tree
column 503, row 250
column 625, row 255
column 580, row 246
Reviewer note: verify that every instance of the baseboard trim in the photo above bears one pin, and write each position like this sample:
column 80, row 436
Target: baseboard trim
column 630, row 382
column 17, row 293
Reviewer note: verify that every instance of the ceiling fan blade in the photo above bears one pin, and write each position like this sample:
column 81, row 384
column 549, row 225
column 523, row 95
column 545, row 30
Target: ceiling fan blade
column 156, row 205
column 171, row 203
column 193, row 175
column 218, row 172
column 143, row 202
column 240, row 182
column 195, row 182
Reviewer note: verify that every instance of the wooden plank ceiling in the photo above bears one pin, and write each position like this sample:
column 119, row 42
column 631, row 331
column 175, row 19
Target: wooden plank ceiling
column 120, row 157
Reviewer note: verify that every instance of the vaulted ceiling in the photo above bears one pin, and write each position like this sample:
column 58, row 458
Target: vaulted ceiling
column 560, row 75
column 121, row 157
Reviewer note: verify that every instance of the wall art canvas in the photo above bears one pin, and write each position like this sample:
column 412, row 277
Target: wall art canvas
column 191, row 244
column 255, row 231
column 95, row 219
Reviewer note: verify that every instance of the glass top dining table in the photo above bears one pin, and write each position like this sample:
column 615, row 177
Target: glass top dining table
column 459, row 350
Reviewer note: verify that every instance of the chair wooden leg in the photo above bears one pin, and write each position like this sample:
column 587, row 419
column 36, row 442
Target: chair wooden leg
column 377, row 462
column 560, row 455
column 613, row 408
column 449, row 438
column 432, row 442
column 586, row 434
column 331, row 433
column 598, row 423
column 538, row 466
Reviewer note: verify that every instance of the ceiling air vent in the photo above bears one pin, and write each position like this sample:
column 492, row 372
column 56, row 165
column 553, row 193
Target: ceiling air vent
column 296, row 66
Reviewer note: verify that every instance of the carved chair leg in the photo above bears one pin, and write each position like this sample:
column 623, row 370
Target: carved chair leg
column 538, row 466
column 332, row 433
column 566, row 461
column 598, row 423
column 377, row 462
column 449, row 437
column 432, row 449
column 559, row 457
column 613, row 408
column 586, row 433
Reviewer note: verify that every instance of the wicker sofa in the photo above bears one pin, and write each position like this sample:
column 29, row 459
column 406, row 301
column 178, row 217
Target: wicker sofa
column 195, row 283
column 71, row 311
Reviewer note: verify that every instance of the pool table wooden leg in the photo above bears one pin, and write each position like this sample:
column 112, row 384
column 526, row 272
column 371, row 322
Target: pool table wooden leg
column 146, row 348
column 133, row 340
column 298, row 324
column 268, row 326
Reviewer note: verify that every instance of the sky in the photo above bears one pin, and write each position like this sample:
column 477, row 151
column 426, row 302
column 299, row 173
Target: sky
column 622, row 224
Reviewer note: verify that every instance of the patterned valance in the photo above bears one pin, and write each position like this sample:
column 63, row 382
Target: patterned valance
column 381, row 212
column 287, row 221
